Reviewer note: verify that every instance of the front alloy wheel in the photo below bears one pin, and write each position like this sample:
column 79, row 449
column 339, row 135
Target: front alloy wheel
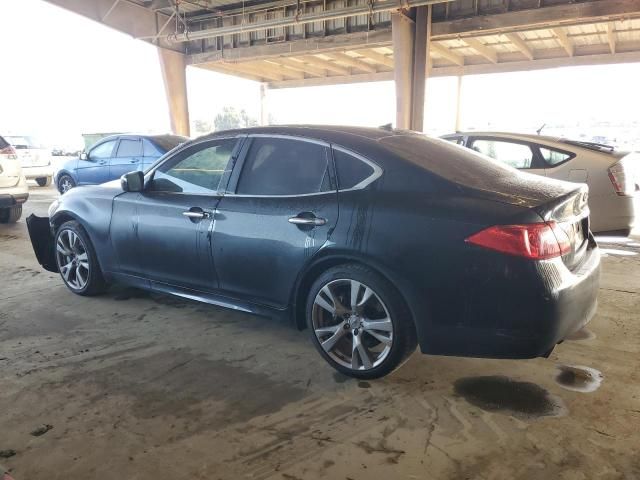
column 77, row 261
column 73, row 260
column 359, row 322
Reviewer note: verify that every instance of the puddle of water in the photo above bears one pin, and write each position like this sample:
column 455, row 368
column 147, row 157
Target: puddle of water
column 582, row 334
column 503, row 394
column 578, row 378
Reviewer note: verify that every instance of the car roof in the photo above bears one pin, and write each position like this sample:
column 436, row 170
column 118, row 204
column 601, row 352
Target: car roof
column 328, row 133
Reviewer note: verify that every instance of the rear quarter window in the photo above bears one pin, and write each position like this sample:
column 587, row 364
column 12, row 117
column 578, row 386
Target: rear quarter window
column 351, row 170
column 554, row 157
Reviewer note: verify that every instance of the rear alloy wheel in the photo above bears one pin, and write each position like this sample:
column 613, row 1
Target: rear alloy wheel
column 10, row 214
column 43, row 181
column 76, row 260
column 359, row 323
column 65, row 183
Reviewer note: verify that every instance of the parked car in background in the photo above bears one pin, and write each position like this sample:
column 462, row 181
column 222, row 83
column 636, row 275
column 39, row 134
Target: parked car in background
column 34, row 157
column 613, row 177
column 114, row 156
column 434, row 245
column 13, row 185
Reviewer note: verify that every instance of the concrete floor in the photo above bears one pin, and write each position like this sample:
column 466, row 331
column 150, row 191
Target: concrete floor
column 143, row 386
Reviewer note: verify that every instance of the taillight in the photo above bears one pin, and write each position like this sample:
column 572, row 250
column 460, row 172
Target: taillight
column 537, row 241
column 621, row 176
column 9, row 151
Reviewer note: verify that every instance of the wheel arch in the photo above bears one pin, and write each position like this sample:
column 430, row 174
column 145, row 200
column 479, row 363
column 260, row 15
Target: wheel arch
column 326, row 260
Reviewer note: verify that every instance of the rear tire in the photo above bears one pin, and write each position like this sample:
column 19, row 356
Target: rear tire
column 367, row 337
column 77, row 261
column 65, row 183
column 10, row 214
column 44, row 181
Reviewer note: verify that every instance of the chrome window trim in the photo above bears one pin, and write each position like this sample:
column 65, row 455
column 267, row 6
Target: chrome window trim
column 377, row 170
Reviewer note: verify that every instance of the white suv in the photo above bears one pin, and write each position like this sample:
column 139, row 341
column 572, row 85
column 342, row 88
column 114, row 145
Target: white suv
column 34, row 158
column 13, row 184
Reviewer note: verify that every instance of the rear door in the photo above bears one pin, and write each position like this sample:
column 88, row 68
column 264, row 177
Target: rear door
column 517, row 154
column 127, row 157
column 95, row 169
column 281, row 206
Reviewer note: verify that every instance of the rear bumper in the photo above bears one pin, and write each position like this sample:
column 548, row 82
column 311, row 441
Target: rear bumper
column 516, row 310
column 42, row 241
column 613, row 212
column 38, row 172
column 11, row 199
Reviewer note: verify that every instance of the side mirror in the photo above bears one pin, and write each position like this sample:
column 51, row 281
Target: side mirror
column 84, row 156
column 132, row 181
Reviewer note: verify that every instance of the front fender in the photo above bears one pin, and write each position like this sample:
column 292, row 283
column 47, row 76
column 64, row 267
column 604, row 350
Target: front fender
column 42, row 241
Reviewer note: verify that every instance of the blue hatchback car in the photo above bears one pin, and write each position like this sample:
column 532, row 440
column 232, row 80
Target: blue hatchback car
column 114, row 156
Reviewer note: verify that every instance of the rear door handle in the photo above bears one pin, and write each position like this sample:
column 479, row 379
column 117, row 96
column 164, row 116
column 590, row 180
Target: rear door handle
column 197, row 215
column 314, row 221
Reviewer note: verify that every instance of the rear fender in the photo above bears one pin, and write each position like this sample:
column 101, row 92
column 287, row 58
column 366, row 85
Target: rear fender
column 42, row 242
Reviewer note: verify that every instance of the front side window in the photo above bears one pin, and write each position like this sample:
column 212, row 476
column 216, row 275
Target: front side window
column 554, row 157
column 129, row 148
column 350, row 169
column 198, row 170
column 516, row 155
column 102, row 151
column 282, row 166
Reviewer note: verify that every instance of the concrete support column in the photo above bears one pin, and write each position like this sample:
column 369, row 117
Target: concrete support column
column 410, row 32
column 264, row 109
column 459, row 105
column 174, row 74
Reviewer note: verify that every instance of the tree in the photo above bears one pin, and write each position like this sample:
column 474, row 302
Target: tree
column 230, row 118
column 201, row 127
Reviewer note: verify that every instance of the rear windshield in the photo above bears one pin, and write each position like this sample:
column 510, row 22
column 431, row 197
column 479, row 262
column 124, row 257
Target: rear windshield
column 447, row 160
column 22, row 142
column 167, row 142
column 470, row 169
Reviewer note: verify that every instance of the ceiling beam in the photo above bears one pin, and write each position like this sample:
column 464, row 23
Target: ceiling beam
column 254, row 70
column 352, row 62
column 223, row 68
column 299, row 66
column 564, row 40
column 327, row 65
column 611, row 38
column 520, row 44
column 379, row 58
column 484, row 51
column 447, row 54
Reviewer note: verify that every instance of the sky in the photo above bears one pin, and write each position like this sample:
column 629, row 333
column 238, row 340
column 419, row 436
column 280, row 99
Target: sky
column 64, row 75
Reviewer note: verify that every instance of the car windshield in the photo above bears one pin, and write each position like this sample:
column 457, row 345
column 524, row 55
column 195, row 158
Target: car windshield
column 168, row 142
column 23, row 142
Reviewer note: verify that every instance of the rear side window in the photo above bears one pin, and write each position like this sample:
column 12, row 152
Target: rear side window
column 516, row 155
column 351, row 170
column 281, row 166
column 3, row 143
column 554, row 157
column 129, row 148
column 457, row 140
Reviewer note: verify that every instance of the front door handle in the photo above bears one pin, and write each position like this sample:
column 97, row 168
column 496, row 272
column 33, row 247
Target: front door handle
column 313, row 221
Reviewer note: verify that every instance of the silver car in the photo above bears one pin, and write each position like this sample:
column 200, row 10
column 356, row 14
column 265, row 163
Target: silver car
column 34, row 157
column 613, row 177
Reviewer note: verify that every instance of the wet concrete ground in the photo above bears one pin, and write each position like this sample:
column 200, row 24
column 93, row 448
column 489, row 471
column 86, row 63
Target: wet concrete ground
column 142, row 386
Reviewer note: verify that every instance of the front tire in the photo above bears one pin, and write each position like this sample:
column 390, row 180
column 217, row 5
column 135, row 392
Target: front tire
column 77, row 261
column 10, row 214
column 359, row 322
column 65, row 183
column 43, row 181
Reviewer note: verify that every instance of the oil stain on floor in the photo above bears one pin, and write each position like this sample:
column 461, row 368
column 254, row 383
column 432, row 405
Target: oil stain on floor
column 503, row 394
column 578, row 378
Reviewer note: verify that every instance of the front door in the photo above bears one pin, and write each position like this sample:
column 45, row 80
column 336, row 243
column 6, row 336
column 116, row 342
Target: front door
column 281, row 207
column 127, row 158
column 95, row 169
column 175, row 216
